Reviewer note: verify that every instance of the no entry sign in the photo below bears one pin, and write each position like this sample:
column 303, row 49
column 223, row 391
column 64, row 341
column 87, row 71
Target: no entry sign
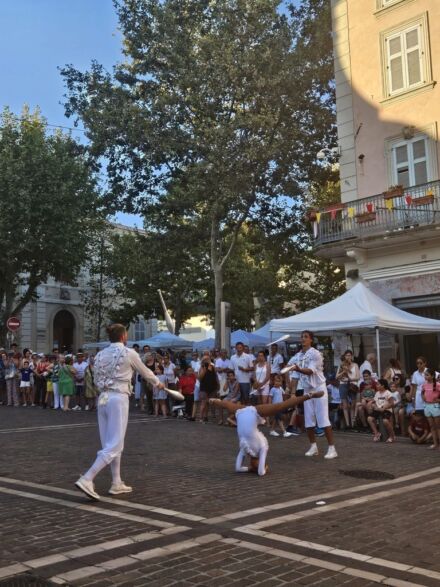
column 13, row 324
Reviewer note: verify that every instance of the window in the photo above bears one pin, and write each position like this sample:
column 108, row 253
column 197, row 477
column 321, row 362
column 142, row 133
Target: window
column 406, row 58
column 383, row 4
column 410, row 162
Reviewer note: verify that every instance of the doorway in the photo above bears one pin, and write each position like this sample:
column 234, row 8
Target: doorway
column 63, row 331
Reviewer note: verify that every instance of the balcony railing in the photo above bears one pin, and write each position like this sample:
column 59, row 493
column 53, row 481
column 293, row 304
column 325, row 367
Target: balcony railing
column 381, row 214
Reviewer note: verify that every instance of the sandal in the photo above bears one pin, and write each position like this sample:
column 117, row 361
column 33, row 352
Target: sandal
column 377, row 437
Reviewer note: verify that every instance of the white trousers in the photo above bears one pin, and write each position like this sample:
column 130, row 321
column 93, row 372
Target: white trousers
column 57, row 399
column 316, row 412
column 112, row 421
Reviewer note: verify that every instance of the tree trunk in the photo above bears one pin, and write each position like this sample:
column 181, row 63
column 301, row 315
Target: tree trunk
column 218, row 284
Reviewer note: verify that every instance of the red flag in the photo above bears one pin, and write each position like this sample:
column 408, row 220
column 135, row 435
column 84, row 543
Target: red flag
column 369, row 207
column 408, row 200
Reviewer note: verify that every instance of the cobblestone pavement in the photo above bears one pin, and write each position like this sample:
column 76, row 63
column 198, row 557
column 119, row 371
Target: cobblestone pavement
column 192, row 521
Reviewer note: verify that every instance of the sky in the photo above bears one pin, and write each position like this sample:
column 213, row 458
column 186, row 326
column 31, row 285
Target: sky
column 39, row 36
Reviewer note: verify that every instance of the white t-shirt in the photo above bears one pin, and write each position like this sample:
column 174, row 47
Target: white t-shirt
column 244, row 361
column 80, row 369
column 295, row 361
column 418, row 379
column 312, row 359
column 275, row 362
column 169, row 372
column 333, row 391
column 222, row 364
column 396, row 397
column 195, row 365
column 382, row 397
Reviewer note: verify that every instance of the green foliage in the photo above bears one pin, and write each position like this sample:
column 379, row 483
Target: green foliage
column 214, row 118
column 49, row 209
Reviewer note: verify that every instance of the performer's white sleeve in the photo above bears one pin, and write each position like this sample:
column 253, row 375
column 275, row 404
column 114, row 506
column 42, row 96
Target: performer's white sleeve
column 146, row 373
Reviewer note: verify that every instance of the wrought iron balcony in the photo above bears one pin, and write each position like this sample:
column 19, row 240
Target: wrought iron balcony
column 377, row 215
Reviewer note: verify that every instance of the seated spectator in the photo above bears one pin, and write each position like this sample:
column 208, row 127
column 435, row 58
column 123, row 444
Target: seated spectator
column 382, row 405
column 367, row 389
column 431, row 397
column 334, row 402
column 394, row 388
column 418, row 429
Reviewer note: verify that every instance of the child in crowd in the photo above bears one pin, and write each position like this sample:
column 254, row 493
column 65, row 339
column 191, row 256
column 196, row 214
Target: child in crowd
column 187, row 383
column 90, row 389
column 407, row 408
column 431, row 397
column 383, row 404
column 334, row 401
column 276, row 397
column 367, row 389
column 394, row 388
column 160, row 395
column 232, row 390
column 418, row 429
column 25, row 383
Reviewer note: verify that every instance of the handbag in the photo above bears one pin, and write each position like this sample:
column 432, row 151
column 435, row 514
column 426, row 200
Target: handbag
column 353, row 388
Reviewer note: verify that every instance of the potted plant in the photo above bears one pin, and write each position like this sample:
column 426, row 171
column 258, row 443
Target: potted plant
column 428, row 198
column 394, row 191
column 365, row 217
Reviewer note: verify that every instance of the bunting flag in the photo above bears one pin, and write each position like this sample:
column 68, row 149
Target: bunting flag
column 350, row 212
column 408, row 200
column 369, row 207
column 430, row 193
column 332, row 214
column 318, row 217
column 315, row 229
column 389, row 204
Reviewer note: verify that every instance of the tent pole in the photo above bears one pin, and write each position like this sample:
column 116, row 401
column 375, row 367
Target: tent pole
column 379, row 369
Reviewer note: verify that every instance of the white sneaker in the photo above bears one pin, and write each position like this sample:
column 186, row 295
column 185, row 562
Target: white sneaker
column 331, row 453
column 88, row 488
column 287, row 434
column 118, row 488
column 273, row 433
column 87, row 408
column 313, row 451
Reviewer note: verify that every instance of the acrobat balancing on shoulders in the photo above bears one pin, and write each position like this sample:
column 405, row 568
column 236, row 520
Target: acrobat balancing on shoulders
column 252, row 443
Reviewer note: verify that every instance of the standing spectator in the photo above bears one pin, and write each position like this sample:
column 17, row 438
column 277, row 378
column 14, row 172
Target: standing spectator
column 406, row 410
column 296, row 424
column 187, row 383
column 48, row 399
column 243, row 367
column 248, row 351
column 276, row 360
column 417, row 380
column 159, row 394
column 383, row 404
column 262, row 378
column 41, row 372
column 348, row 376
column 90, row 389
column 392, row 370
column 57, row 400
column 66, row 381
column 195, row 364
column 147, row 387
column 369, row 364
column 25, row 383
column 222, row 366
column 11, row 380
column 276, row 397
column 334, row 401
column 431, row 397
column 80, row 367
column 3, row 361
column 208, row 385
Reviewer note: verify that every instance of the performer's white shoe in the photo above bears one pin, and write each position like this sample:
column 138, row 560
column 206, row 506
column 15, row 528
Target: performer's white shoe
column 118, row 488
column 331, row 453
column 88, row 488
column 313, row 451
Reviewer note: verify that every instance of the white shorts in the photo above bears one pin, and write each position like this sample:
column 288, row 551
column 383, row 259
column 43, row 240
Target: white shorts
column 316, row 412
column 25, row 384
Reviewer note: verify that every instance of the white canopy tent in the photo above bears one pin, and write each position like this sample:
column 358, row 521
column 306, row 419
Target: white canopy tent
column 358, row 310
column 166, row 340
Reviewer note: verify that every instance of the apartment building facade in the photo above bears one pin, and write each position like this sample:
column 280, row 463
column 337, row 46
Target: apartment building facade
column 386, row 229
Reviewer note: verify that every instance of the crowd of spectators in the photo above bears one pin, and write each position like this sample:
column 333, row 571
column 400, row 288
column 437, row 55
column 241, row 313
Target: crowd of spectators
column 360, row 399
